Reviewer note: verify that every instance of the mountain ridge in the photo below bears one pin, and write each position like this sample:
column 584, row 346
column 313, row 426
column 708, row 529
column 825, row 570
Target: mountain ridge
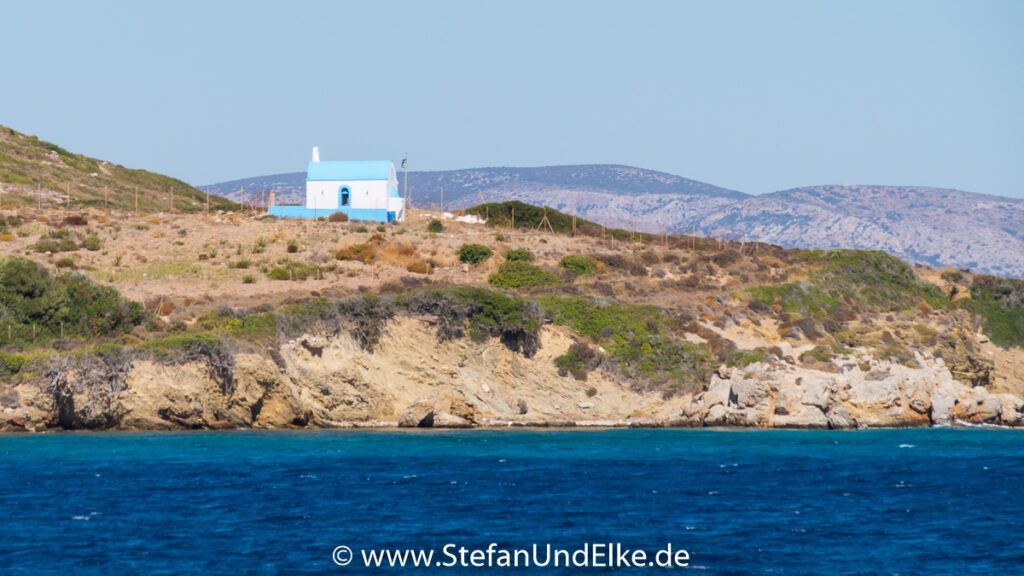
column 921, row 224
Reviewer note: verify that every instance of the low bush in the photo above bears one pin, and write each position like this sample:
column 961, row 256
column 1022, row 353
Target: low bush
column 640, row 341
column 364, row 253
column 518, row 274
column 291, row 270
column 741, row 358
column 519, row 255
column 435, row 226
column 482, row 313
column 338, row 217
column 92, row 242
column 999, row 302
column 419, row 267
column 474, row 254
column 37, row 305
column 579, row 360
column 579, row 264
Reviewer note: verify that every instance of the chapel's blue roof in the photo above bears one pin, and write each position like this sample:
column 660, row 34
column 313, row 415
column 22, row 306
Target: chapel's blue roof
column 349, row 170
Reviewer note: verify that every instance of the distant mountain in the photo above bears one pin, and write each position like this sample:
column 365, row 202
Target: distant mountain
column 936, row 226
column 616, row 195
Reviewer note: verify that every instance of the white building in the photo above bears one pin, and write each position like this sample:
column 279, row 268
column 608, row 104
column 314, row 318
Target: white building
column 363, row 190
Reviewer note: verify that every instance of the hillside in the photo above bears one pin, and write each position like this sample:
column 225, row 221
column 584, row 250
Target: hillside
column 36, row 172
column 936, row 226
column 116, row 320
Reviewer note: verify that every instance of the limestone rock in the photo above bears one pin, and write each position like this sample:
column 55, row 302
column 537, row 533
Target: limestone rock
column 818, row 392
column 1012, row 410
column 839, row 418
column 443, row 409
column 808, row 417
column 718, row 391
column 748, row 393
column 716, row 416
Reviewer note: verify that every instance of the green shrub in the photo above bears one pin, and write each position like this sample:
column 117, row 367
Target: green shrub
column 639, row 339
column 291, row 270
column 435, row 226
column 519, row 255
column 96, row 310
column 248, row 279
column 58, row 241
column 579, row 264
column 579, row 360
column 66, row 262
column 483, row 313
column 11, row 364
column 520, row 275
column 361, row 229
column 820, row 354
column 1000, row 304
column 29, row 294
column 474, row 254
column 92, row 242
column 743, row 358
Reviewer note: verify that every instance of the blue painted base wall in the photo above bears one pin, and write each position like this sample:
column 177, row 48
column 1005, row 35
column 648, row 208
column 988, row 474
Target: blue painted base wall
column 371, row 215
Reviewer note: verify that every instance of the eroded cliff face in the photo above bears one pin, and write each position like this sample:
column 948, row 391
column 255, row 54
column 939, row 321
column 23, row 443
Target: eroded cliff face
column 412, row 380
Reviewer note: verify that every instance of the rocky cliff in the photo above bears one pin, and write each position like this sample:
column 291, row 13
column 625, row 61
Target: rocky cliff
column 334, row 382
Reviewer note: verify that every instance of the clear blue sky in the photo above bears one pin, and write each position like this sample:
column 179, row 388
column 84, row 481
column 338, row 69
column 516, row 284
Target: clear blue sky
column 755, row 96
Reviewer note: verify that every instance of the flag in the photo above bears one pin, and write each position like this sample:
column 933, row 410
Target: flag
column 404, row 160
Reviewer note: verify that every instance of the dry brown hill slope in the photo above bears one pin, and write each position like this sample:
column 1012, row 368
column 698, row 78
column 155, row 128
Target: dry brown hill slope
column 36, row 172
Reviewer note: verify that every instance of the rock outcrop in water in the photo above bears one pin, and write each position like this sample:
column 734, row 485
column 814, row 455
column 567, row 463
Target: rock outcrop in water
column 860, row 395
column 334, row 382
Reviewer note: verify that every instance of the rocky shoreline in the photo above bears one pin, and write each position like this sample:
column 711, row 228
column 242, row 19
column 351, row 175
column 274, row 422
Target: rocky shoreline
column 333, row 383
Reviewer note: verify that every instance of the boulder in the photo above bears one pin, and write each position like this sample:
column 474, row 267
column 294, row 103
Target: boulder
column 839, row 418
column 789, row 398
column 818, row 392
column 1012, row 410
column 749, row 393
column 716, row 416
column 884, row 393
column 750, row 417
column 718, row 391
column 943, row 399
column 919, row 401
column 990, row 409
column 442, row 409
column 808, row 417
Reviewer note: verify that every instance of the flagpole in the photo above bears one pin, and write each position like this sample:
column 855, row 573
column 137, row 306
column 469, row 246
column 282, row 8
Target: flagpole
column 405, row 175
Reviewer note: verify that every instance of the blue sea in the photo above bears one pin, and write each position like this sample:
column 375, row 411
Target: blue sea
column 924, row 501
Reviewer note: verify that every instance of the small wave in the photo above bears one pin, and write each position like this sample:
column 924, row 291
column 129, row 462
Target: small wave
column 963, row 424
column 906, row 445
